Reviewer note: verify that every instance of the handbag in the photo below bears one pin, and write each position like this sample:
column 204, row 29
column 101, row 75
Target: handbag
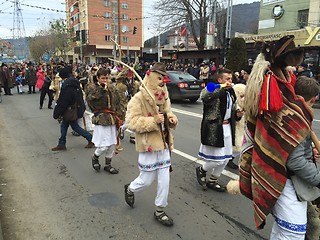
column 71, row 114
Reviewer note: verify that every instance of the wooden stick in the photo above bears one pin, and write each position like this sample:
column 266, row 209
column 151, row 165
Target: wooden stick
column 315, row 140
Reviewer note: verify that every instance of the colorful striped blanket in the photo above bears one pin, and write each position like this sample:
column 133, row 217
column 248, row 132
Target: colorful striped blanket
column 269, row 140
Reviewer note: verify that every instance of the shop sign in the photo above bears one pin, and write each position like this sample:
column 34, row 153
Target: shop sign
column 313, row 34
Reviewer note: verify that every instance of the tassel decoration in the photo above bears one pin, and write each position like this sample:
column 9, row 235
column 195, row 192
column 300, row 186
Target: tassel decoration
column 271, row 97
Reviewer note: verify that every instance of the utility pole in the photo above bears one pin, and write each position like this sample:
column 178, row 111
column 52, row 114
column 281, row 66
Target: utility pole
column 159, row 50
column 214, row 23
column 228, row 27
column 229, row 17
column 115, row 25
column 81, row 57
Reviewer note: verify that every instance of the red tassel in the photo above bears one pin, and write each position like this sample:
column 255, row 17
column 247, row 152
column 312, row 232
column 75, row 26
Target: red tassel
column 271, row 98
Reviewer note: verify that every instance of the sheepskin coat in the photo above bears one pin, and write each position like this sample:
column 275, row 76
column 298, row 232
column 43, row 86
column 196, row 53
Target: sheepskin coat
column 214, row 110
column 140, row 119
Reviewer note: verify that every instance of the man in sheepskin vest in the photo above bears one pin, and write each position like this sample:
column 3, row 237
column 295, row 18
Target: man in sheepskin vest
column 149, row 116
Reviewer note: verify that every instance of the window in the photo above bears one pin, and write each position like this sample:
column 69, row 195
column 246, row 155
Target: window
column 107, row 26
column 125, row 5
column 125, row 39
column 125, row 16
column 303, row 18
column 107, row 14
column 107, row 3
column 125, row 29
column 107, row 38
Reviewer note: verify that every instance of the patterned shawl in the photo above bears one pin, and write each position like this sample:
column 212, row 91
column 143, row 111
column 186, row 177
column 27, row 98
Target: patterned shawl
column 269, row 140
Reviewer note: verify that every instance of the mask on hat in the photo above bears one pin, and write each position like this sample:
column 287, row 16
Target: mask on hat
column 155, row 82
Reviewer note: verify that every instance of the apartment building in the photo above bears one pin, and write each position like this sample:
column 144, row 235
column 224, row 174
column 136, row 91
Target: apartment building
column 94, row 24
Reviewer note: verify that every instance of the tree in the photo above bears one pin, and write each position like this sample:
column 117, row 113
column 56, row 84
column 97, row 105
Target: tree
column 194, row 13
column 237, row 54
column 53, row 40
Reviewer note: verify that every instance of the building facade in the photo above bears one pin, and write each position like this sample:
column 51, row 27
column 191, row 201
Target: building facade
column 300, row 18
column 96, row 24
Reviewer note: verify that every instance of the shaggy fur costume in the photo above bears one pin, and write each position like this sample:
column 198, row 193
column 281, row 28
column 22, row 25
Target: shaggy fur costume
column 142, row 109
column 239, row 90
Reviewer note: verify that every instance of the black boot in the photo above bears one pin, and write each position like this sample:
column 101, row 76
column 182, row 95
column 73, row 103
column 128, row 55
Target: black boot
column 95, row 163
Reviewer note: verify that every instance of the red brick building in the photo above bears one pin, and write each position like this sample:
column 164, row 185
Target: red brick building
column 95, row 22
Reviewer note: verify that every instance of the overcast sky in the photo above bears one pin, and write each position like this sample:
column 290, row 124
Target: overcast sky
column 35, row 17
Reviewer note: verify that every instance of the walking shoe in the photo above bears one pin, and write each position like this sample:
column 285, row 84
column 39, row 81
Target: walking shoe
column 89, row 145
column 59, row 148
column 232, row 165
column 40, row 107
column 216, row 186
column 201, row 177
column 128, row 195
column 50, row 107
column 163, row 218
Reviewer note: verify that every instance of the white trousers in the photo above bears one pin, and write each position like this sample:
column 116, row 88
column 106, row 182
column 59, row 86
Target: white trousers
column 107, row 150
column 216, row 167
column 290, row 216
column 145, row 179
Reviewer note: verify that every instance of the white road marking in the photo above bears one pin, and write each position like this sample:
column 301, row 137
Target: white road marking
column 186, row 112
column 191, row 158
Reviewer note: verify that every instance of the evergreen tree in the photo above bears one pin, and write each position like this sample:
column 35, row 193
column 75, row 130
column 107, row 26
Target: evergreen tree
column 237, row 54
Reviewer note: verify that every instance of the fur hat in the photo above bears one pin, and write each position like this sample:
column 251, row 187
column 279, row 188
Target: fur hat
column 64, row 72
column 159, row 67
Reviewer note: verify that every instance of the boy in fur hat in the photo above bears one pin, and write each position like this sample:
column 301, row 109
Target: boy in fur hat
column 149, row 116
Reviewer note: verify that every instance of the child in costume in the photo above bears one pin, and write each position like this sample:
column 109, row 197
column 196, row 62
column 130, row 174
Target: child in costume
column 149, row 116
column 103, row 100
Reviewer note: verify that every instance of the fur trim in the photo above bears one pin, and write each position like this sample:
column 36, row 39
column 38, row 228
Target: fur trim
column 233, row 187
column 254, row 85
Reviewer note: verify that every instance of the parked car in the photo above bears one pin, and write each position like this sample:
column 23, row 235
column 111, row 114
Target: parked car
column 184, row 86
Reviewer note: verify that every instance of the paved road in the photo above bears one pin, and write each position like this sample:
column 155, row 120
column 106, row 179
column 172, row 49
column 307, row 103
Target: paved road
column 57, row 195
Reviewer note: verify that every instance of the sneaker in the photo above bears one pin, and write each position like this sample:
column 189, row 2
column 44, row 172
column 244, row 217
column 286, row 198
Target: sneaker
column 232, row 165
column 59, row 148
column 128, row 195
column 89, row 145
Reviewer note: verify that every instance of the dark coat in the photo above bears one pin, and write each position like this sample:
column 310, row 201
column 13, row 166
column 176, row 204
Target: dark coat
column 9, row 77
column 31, row 77
column 214, row 110
column 69, row 94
